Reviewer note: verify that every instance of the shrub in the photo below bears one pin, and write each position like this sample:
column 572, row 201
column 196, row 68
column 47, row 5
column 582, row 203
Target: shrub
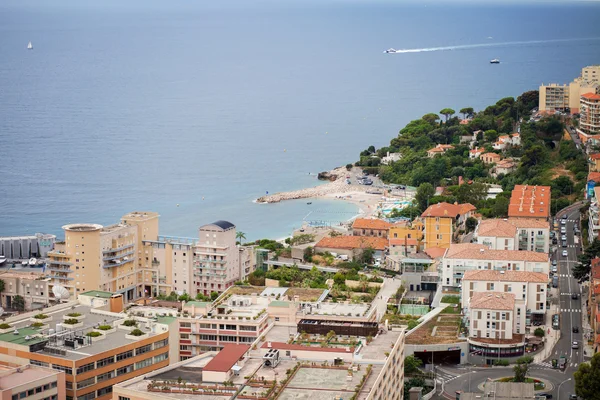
column 451, row 299
column 4, row 326
column 37, row 324
column 130, row 322
column 539, row 332
column 501, row 362
column 41, row 316
column 136, row 332
column 105, row 327
column 93, row 334
column 74, row 314
column 525, row 360
column 71, row 321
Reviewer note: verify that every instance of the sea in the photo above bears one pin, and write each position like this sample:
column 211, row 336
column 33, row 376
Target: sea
column 194, row 109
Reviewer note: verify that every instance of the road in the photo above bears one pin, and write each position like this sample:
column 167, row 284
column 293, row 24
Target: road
column 570, row 309
column 574, row 137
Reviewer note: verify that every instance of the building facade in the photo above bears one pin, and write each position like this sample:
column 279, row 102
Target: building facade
column 26, row 247
column 589, row 120
column 441, row 220
column 31, row 382
column 527, row 201
column 370, row 227
column 555, row 97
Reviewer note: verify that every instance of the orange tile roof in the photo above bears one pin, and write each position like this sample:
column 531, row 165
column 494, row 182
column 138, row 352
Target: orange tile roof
column 481, row 252
column 594, row 176
column 507, row 163
column 364, row 223
column 479, row 150
column 595, row 156
column 440, row 148
column 353, row 242
column 227, row 357
column 444, row 209
column 492, row 155
column 597, row 289
column 402, row 242
column 496, row 228
column 435, row 252
column 591, row 96
column 529, row 223
column 492, row 301
column 530, row 201
column 595, row 268
column 504, row 276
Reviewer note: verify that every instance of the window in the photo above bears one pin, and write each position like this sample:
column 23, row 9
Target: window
column 85, row 368
column 124, row 398
column 144, row 349
column 105, row 390
column 89, row 396
column 144, row 363
column 86, row 382
column 68, row 371
column 106, row 376
column 124, row 355
column 105, row 361
column 125, row 370
column 247, row 328
column 39, row 363
column 161, row 343
column 161, row 357
column 185, row 324
column 208, row 337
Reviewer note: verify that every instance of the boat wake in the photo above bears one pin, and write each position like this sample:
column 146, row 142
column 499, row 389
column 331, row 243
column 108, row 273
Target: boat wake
column 480, row 45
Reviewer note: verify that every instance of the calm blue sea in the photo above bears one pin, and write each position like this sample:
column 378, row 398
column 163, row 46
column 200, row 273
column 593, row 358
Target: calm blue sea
column 143, row 105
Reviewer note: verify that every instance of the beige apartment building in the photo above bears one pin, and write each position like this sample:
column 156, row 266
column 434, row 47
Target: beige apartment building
column 555, row 97
column 31, row 382
column 34, row 287
column 589, row 121
column 103, row 258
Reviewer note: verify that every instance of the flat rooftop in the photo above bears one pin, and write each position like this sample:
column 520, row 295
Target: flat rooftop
column 305, row 294
column 112, row 340
column 442, row 329
column 340, row 309
column 9, row 377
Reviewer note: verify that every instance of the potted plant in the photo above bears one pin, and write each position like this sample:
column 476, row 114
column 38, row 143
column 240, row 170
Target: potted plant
column 136, row 334
column 128, row 325
column 75, row 315
column 105, row 329
column 5, row 328
column 41, row 318
column 95, row 335
column 72, row 323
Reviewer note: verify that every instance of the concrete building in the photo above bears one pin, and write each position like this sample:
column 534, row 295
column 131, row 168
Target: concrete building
column 594, row 160
column 92, row 363
column 514, row 234
column 216, row 258
column 594, row 217
column 490, row 158
column 504, row 167
column 476, row 152
column 529, row 289
column 497, row 234
column 31, row 285
column 528, row 201
column 589, row 120
column 460, row 258
column 25, row 247
column 103, row 258
column 31, row 382
column 555, row 97
column 533, row 234
column 514, row 139
column 370, row 227
column 441, row 220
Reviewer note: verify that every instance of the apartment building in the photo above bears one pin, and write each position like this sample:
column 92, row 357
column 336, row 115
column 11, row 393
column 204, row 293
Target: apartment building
column 527, row 201
column 529, row 289
column 105, row 258
column 514, row 234
column 405, row 239
column 91, row 362
column 351, row 246
column 370, row 227
column 439, row 149
column 33, row 287
column 514, row 139
column 490, row 158
column 441, row 220
column 533, row 234
column 594, row 160
column 589, row 120
column 555, row 97
column 460, row 258
column 594, row 214
column 31, row 382
column 497, row 234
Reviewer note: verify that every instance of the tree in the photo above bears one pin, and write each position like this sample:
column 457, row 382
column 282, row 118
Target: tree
column 424, row 192
column 471, row 224
column 214, row 295
column 467, row 112
column 1, row 286
column 366, row 256
column 490, row 135
column 587, row 379
column 520, row 370
column 239, row 236
column 431, row 118
column 582, row 270
column 563, row 184
column 349, row 167
column 539, row 332
column 413, row 382
column 412, row 364
column 501, row 206
column 447, row 112
column 308, row 254
column 18, row 303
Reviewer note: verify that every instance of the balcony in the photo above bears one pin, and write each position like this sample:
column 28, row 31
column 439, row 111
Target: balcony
column 60, row 277
column 63, row 270
column 129, row 253
column 59, row 262
column 116, row 249
column 155, row 263
column 112, row 265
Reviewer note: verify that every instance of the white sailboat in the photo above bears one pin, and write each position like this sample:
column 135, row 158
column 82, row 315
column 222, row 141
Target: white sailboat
column 29, row 46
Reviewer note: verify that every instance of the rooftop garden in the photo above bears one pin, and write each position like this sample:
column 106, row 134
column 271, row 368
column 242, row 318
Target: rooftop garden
column 136, row 332
column 93, row 334
column 71, row 321
column 129, row 322
column 105, row 327
column 40, row 316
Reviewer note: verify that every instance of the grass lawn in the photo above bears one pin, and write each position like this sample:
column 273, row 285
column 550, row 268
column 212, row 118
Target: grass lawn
column 537, row 385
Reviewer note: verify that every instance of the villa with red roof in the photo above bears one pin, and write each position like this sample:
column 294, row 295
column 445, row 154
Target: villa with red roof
column 439, row 149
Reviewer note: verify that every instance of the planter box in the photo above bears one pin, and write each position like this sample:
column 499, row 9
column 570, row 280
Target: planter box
column 77, row 325
column 44, row 321
column 77, row 318
column 127, row 328
column 144, row 336
column 106, row 332
column 98, row 338
column 7, row 330
column 45, row 326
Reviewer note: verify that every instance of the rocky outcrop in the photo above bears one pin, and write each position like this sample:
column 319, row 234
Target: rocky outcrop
column 327, row 176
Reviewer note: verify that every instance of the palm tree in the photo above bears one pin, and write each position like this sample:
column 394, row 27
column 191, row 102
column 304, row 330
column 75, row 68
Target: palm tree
column 239, row 236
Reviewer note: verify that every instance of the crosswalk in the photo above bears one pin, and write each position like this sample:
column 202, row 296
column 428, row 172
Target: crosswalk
column 564, row 275
column 445, row 375
column 566, row 294
column 569, row 310
column 547, row 365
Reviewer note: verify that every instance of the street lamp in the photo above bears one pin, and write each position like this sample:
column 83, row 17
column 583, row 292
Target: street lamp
column 558, row 394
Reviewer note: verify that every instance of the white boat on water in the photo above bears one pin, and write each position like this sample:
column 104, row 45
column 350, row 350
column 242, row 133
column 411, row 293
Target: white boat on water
column 2, row 259
column 495, row 61
column 390, row 50
column 32, row 261
column 29, row 46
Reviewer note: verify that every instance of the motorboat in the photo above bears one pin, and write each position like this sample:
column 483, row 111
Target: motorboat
column 391, row 50
column 32, row 261
column 29, row 46
column 24, row 263
column 495, row 61
column 2, row 259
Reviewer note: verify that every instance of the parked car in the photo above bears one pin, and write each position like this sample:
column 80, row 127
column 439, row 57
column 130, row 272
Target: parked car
column 575, row 329
column 574, row 296
column 565, row 216
column 563, row 222
column 575, row 345
column 546, row 395
column 554, row 262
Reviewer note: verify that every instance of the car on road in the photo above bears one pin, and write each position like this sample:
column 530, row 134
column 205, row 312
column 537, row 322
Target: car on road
column 574, row 296
column 575, row 329
column 565, row 253
column 573, row 397
column 564, row 244
column 565, row 216
column 545, row 395
column 563, row 229
column 563, row 237
column 554, row 262
column 555, row 281
column 575, row 345
column 554, row 269
column 563, row 222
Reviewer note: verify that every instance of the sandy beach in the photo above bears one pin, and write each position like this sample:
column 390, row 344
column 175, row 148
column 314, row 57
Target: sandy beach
column 338, row 189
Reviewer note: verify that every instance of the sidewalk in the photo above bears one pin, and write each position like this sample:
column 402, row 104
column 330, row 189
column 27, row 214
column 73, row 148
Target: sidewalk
column 551, row 338
column 586, row 329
